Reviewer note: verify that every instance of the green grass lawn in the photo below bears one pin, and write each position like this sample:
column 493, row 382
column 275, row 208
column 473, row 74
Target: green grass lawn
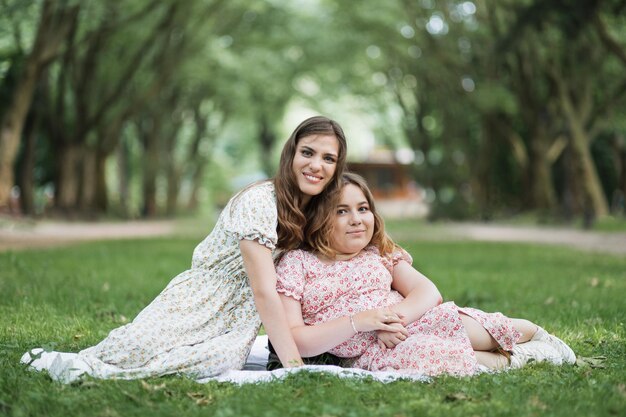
column 69, row 298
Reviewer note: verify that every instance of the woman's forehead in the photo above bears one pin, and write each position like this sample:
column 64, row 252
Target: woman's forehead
column 352, row 192
column 326, row 142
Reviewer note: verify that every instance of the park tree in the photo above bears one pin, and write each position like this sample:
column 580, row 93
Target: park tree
column 497, row 87
column 55, row 21
column 101, row 83
column 580, row 61
column 419, row 63
column 268, row 54
column 117, row 65
column 493, row 97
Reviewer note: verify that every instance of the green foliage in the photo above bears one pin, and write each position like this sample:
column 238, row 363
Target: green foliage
column 480, row 90
column 491, row 97
column 69, row 298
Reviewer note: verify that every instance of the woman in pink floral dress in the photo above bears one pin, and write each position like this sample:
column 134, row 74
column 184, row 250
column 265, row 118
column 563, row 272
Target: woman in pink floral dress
column 353, row 293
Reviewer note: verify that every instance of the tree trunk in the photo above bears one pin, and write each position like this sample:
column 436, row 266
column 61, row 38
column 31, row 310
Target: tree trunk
column 101, row 197
column 123, row 173
column 571, row 192
column 173, row 176
column 26, row 179
column 541, row 190
column 150, row 139
column 588, row 175
column 267, row 137
column 173, row 184
column 93, row 193
column 200, row 153
column 196, row 185
column 53, row 27
column 150, row 169
column 576, row 116
column 200, row 164
column 618, row 194
column 622, row 176
column 69, row 159
column 482, row 185
column 11, row 128
column 87, row 169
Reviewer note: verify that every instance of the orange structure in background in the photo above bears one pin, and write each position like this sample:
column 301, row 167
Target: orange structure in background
column 397, row 194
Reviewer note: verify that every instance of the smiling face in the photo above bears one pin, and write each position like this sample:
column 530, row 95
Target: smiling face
column 315, row 163
column 353, row 224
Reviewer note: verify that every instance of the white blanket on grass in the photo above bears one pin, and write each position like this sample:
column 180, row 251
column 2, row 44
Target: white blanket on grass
column 67, row 368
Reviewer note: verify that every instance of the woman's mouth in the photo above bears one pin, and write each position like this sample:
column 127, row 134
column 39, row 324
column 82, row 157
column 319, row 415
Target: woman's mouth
column 312, row 178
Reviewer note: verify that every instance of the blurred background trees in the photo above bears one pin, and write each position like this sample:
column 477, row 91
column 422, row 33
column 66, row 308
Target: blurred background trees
column 144, row 108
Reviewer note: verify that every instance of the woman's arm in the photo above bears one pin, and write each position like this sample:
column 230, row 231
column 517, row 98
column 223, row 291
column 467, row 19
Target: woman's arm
column 320, row 338
column 420, row 294
column 257, row 260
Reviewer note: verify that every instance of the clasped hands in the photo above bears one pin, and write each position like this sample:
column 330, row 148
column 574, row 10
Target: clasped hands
column 389, row 326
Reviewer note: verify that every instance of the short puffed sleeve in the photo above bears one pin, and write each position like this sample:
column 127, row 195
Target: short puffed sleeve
column 291, row 274
column 252, row 215
column 392, row 259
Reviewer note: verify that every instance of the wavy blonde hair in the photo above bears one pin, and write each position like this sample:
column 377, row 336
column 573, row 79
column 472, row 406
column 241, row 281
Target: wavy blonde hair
column 291, row 219
column 320, row 225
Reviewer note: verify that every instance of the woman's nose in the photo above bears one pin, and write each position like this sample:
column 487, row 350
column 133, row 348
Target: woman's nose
column 314, row 164
column 355, row 218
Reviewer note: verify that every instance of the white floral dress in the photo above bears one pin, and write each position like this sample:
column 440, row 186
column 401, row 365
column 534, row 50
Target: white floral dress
column 437, row 342
column 205, row 321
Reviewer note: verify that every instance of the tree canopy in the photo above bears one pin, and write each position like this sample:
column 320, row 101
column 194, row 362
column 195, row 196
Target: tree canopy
column 130, row 108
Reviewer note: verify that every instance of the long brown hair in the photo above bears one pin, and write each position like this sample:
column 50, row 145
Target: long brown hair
column 320, row 224
column 291, row 219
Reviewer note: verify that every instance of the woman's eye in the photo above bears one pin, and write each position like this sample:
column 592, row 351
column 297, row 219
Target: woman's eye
column 330, row 159
column 364, row 209
column 341, row 211
column 307, row 153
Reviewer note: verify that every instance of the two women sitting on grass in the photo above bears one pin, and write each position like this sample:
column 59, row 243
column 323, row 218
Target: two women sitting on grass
column 345, row 288
column 353, row 292
column 207, row 318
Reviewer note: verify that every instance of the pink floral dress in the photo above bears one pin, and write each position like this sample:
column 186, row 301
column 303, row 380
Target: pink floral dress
column 437, row 342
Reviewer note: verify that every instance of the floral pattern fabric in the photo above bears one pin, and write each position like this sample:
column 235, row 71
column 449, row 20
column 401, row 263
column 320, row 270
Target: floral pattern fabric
column 205, row 321
column 437, row 342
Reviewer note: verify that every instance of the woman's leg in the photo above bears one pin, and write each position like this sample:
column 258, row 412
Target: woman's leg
column 526, row 328
column 539, row 349
column 492, row 360
column 479, row 337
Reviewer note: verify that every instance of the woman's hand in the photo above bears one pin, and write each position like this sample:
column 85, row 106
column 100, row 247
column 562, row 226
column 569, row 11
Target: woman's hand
column 389, row 339
column 378, row 319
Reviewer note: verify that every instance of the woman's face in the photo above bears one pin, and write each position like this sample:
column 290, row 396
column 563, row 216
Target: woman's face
column 315, row 163
column 353, row 223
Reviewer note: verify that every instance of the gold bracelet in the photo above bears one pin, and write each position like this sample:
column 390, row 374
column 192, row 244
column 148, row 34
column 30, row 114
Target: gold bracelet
column 352, row 323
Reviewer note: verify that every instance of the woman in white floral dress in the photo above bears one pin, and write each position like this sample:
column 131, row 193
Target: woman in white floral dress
column 206, row 319
column 354, row 294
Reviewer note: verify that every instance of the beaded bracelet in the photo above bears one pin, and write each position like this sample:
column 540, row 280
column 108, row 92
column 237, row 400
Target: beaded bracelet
column 352, row 323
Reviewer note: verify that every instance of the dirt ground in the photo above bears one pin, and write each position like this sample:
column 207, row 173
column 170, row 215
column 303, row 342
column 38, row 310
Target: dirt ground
column 28, row 235
column 17, row 235
column 602, row 242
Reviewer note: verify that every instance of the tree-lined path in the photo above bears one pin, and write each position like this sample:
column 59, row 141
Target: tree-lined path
column 50, row 234
column 148, row 108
